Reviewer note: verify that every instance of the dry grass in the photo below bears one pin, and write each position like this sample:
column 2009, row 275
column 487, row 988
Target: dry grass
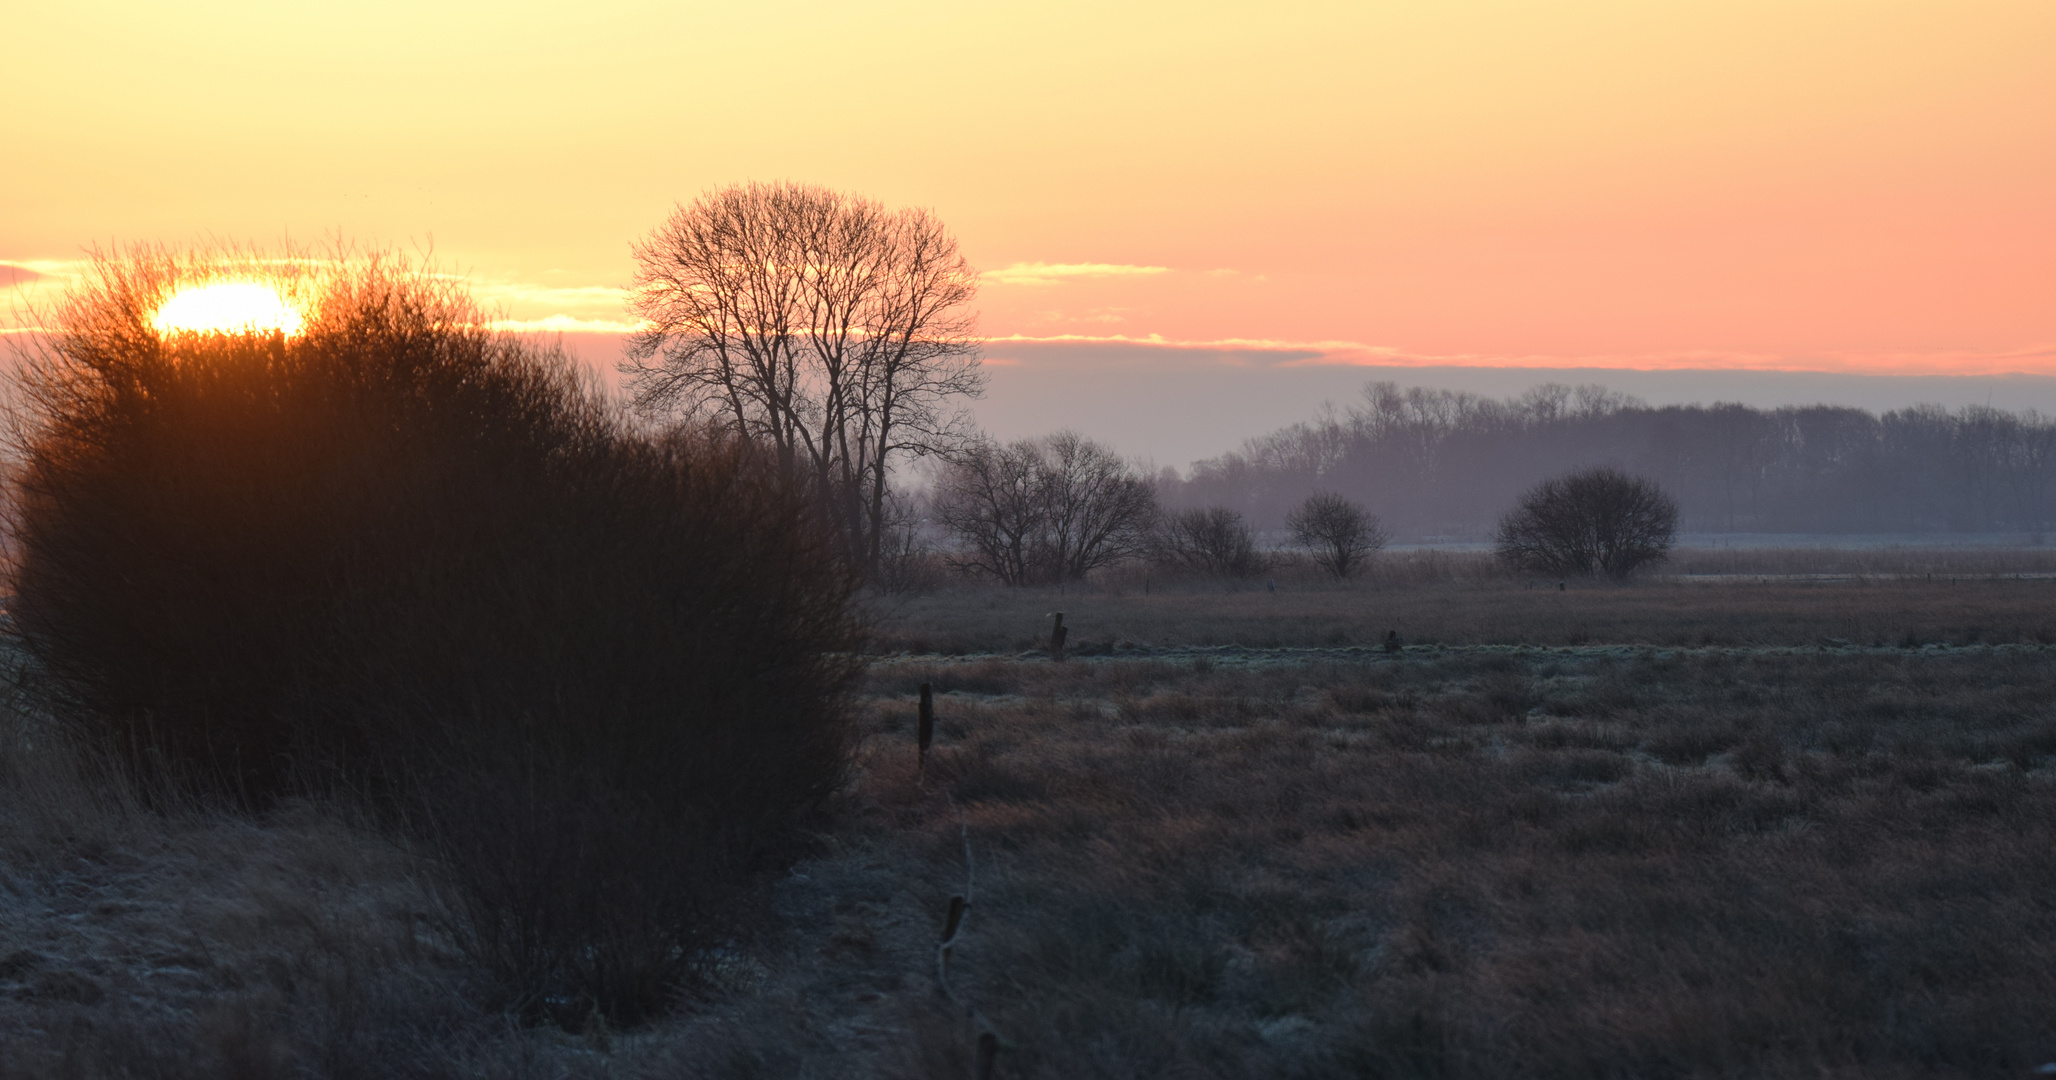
column 1883, row 561
column 1483, row 611
column 1467, row 861
column 1487, row 864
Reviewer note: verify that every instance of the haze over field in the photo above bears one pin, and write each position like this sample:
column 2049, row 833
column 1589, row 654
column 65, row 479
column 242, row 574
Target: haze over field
column 1857, row 188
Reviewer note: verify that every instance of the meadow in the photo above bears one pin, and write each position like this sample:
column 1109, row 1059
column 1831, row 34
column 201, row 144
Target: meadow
column 1795, row 598
column 1792, row 820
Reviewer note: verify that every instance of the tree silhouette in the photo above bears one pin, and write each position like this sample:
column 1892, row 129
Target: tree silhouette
column 1212, row 540
column 1049, row 509
column 1597, row 521
column 1340, row 534
column 821, row 325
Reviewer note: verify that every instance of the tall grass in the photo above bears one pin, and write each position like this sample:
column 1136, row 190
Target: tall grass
column 400, row 556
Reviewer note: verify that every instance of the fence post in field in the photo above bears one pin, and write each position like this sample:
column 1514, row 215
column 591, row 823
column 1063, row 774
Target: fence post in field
column 950, row 925
column 988, row 1055
column 1057, row 634
column 988, row 1046
column 924, row 731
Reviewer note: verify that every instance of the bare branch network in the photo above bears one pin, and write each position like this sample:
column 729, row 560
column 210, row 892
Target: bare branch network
column 1596, row 521
column 818, row 324
column 1045, row 510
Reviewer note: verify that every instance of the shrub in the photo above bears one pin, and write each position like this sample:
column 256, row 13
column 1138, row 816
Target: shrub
column 1215, row 541
column 1044, row 510
column 1588, row 523
column 1340, row 535
column 907, row 562
column 401, row 555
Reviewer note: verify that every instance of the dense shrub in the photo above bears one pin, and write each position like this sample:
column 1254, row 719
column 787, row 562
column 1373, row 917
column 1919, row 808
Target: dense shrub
column 1591, row 522
column 401, row 555
column 1340, row 535
column 1214, row 540
column 1040, row 511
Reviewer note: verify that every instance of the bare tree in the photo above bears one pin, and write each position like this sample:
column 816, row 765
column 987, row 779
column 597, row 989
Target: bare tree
column 990, row 500
column 907, row 559
column 1339, row 534
column 1050, row 509
column 1590, row 522
column 1215, row 540
column 819, row 324
column 1100, row 507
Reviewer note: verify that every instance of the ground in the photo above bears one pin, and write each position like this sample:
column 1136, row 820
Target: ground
column 1739, row 826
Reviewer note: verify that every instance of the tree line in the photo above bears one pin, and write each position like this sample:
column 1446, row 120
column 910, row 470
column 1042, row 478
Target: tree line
column 1442, row 463
column 829, row 333
column 832, row 333
column 1054, row 509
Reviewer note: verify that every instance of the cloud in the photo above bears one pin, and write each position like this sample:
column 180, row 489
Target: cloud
column 1095, row 351
column 563, row 324
column 527, row 308
column 577, row 296
column 14, row 274
column 1040, row 273
column 1276, row 352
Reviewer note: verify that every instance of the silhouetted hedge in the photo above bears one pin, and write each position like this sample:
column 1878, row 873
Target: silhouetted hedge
column 398, row 554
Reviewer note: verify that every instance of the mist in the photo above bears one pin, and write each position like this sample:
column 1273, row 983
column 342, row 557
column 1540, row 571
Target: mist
column 1445, row 464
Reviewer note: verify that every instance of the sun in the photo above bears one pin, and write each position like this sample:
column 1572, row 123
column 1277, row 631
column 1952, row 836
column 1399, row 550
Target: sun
column 227, row 307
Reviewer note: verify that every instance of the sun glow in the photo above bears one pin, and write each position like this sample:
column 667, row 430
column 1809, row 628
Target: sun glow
column 227, row 307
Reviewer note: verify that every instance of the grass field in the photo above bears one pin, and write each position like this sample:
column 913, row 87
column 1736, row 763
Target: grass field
column 1729, row 827
column 1688, row 612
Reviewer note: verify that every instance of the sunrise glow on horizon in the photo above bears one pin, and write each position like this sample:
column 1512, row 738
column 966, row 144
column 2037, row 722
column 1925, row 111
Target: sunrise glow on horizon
column 227, row 307
column 1765, row 185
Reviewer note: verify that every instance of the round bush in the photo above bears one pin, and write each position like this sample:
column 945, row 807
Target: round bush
column 1594, row 521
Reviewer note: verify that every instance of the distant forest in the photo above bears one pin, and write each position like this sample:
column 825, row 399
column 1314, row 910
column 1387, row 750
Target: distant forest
column 1437, row 463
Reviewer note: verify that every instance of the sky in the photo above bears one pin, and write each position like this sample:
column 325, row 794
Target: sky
column 1237, row 192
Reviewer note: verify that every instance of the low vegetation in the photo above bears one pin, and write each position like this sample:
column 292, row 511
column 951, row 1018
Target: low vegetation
column 1230, row 848
column 1438, row 598
column 1481, row 863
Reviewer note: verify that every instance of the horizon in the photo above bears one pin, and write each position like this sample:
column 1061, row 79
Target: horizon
column 1172, row 408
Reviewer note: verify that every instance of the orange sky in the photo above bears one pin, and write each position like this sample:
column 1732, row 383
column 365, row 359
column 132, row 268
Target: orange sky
column 1848, row 186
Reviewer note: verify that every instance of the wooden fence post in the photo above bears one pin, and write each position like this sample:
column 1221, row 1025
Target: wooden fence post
column 924, row 732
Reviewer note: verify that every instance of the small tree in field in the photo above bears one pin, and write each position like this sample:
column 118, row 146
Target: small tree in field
column 1214, row 540
column 1598, row 521
column 1044, row 510
column 1339, row 534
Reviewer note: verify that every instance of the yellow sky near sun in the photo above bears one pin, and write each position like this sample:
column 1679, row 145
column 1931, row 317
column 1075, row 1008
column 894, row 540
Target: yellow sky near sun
column 1844, row 185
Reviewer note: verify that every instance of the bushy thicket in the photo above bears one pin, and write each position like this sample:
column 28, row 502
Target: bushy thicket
column 1043, row 511
column 1597, row 521
column 1214, row 541
column 403, row 556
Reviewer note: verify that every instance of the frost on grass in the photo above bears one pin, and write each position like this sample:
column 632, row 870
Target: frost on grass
column 1630, row 861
